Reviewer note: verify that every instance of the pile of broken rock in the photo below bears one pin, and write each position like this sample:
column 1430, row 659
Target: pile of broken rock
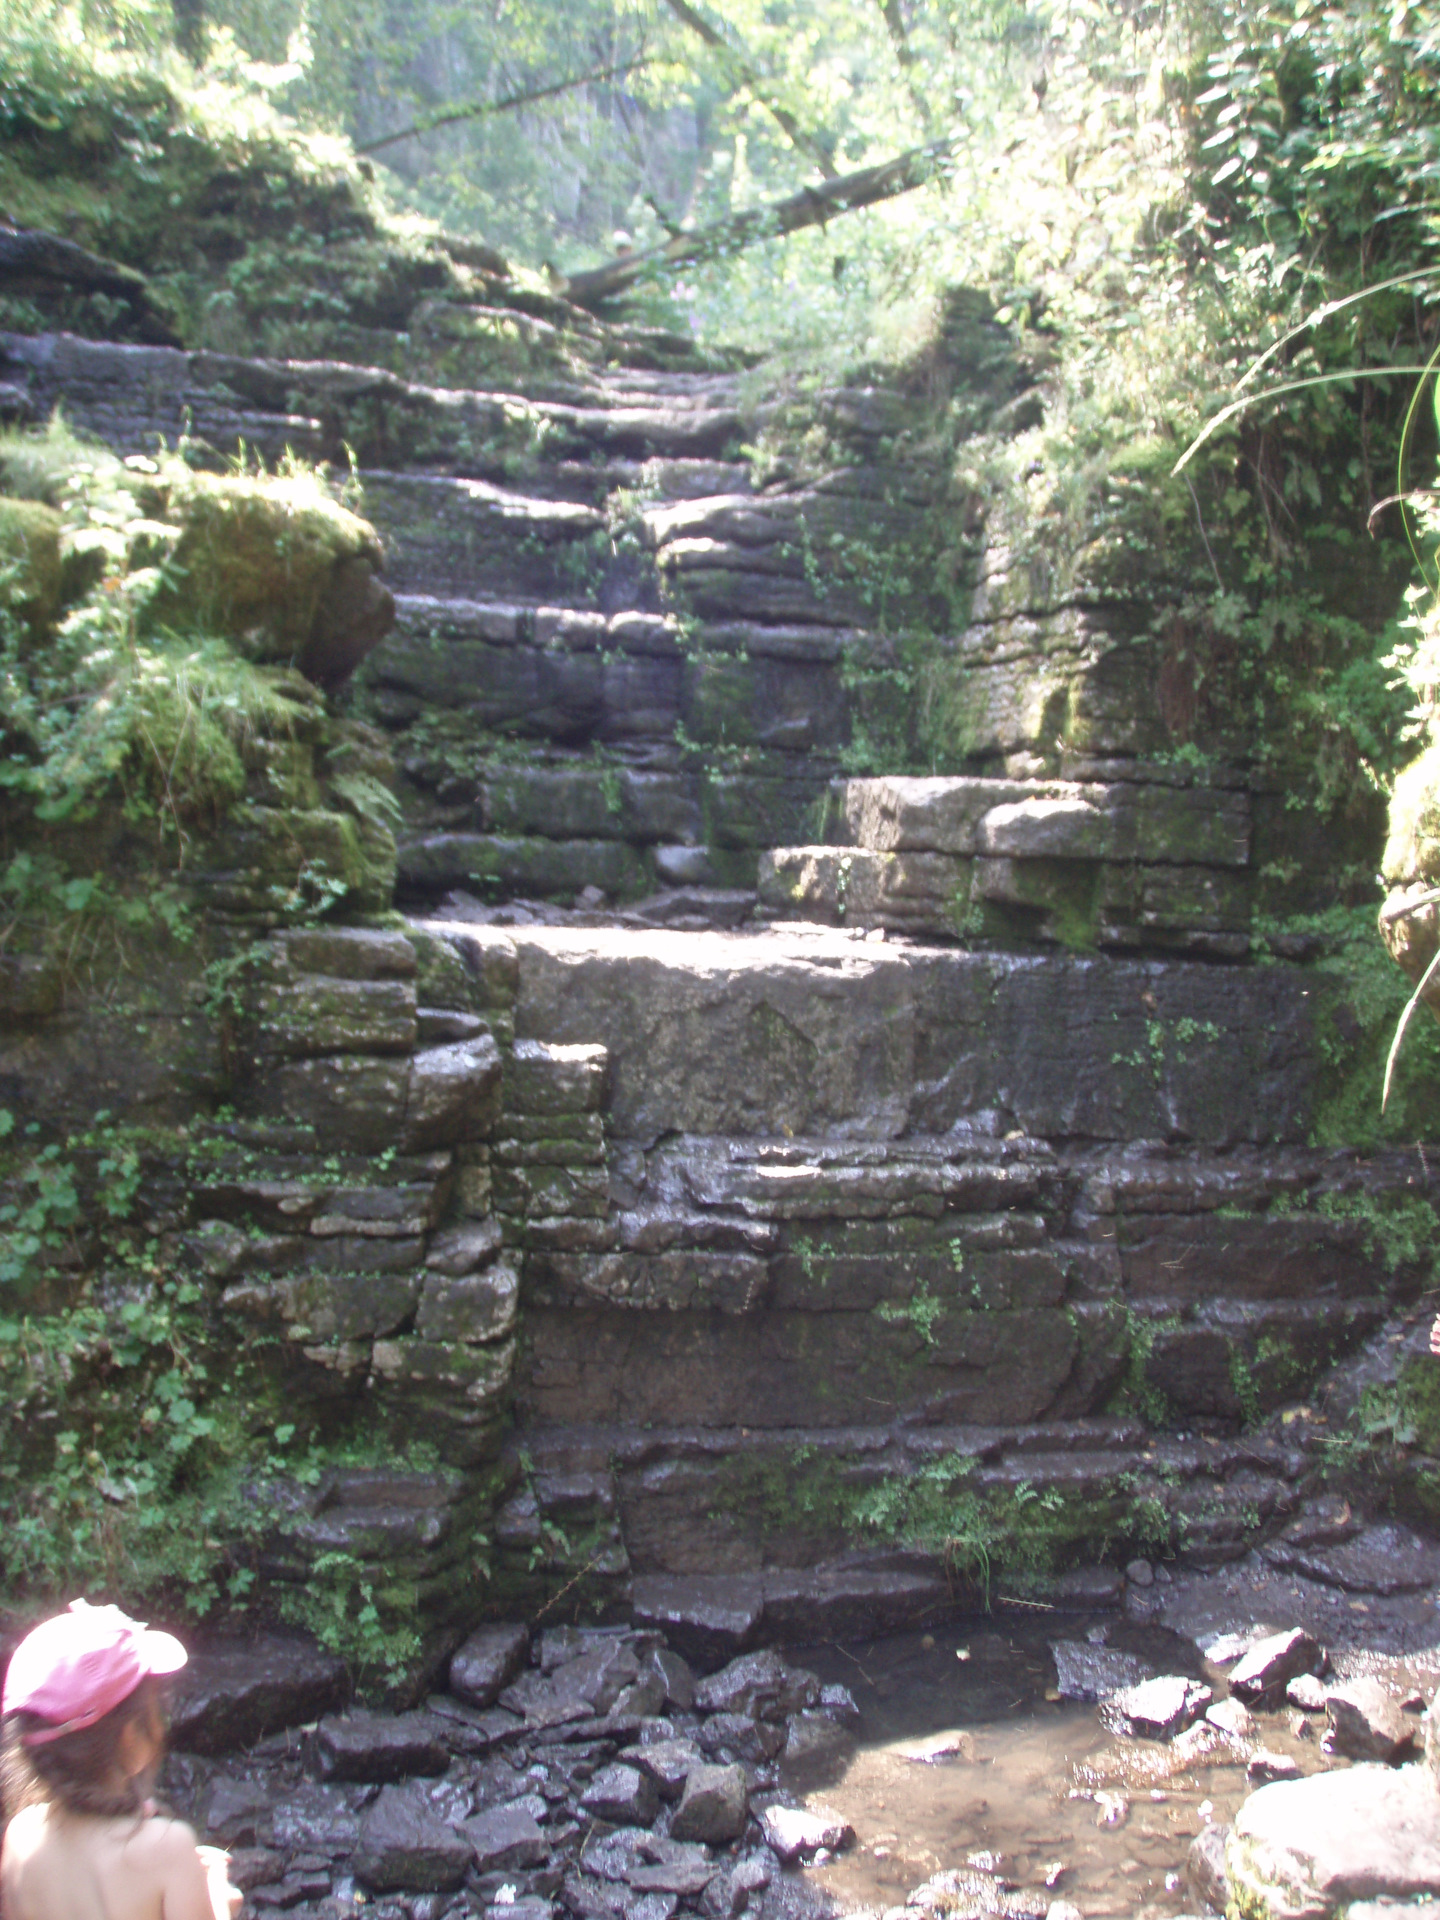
column 592, row 1774
column 1360, row 1839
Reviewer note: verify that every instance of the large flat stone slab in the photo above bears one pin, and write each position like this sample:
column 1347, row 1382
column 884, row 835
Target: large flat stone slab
column 1305, row 1849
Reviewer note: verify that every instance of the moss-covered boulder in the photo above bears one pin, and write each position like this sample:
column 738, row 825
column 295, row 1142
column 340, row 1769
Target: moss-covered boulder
column 31, row 567
column 280, row 568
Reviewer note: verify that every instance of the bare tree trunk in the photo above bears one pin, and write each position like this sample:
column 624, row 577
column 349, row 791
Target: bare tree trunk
column 191, row 35
column 811, row 207
column 905, row 55
column 783, row 118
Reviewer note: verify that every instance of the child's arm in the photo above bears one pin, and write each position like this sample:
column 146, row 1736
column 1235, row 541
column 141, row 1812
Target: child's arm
column 193, row 1884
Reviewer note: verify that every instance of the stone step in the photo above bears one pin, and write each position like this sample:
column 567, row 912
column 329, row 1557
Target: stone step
column 1013, row 902
column 867, row 1527
column 127, row 395
column 571, row 673
column 809, row 1030
column 1123, row 820
column 1119, row 864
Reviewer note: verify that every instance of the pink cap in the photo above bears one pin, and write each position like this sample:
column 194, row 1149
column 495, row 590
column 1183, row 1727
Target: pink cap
column 75, row 1668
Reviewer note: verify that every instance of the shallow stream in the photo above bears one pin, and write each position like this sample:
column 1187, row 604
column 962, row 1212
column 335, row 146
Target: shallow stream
column 965, row 1750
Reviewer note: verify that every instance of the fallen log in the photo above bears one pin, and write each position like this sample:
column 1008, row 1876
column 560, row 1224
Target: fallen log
column 811, row 207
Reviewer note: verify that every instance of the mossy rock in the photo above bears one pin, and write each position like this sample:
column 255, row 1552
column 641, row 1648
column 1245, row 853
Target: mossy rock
column 280, row 569
column 30, row 543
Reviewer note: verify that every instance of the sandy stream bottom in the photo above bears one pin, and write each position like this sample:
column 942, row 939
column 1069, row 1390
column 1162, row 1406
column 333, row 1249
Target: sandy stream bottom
column 965, row 1750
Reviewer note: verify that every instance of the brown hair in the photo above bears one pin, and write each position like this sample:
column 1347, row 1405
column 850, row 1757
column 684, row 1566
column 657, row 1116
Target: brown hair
column 79, row 1769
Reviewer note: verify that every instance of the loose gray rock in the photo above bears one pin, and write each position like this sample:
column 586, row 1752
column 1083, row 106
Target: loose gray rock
column 1085, row 1672
column 235, row 1807
column 678, row 1680
column 713, row 1807
column 623, row 1795
column 1156, row 1709
column 1140, row 1573
column 760, row 1685
column 404, row 1845
column 745, row 1739
column 1306, row 1692
column 648, row 1862
column 1265, row 1671
column 486, row 1663
column 1205, row 1866
column 1365, row 1723
column 839, row 1703
column 796, row 1833
column 708, row 1618
column 1264, row 1765
column 728, row 1892
column 1311, row 1847
column 668, row 1763
column 815, row 1742
column 377, row 1747
column 507, row 1836
column 1232, row 1718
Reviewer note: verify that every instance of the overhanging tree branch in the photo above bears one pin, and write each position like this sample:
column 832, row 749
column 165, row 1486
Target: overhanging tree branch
column 476, row 110
column 811, row 207
column 754, row 80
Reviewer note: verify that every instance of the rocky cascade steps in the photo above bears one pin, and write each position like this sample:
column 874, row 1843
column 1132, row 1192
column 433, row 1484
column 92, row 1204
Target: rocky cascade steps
column 743, row 1269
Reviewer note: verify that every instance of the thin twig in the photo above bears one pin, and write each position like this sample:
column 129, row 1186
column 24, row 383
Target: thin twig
column 1200, row 522
column 853, row 1661
column 478, row 109
column 1410, row 1006
column 573, row 1581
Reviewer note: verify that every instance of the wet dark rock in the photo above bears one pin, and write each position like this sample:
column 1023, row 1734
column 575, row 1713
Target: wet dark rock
column 1084, row 1672
column 729, row 1891
column 707, row 1619
column 1366, row 1723
column 667, row 1762
column 235, row 1809
column 314, row 1819
column 623, row 1795
column 404, row 1845
column 760, row 1685
column 1205, row 1866
column 839, row 1703
column 252, row 1867
column 506, row 1836
column 377, row 1747
column 233, row 1692
column 471, row 1729
column 486, row 1662
column 679, row 1681
column 588, row 1686
column 713, row 1806
column 1140, row 1573
column 1156, row 1709
column 649, row 1863
column 815, row 1741
column 797, row 1833
column 1262, row 1674
column 529, row 1906
column 737, row 1735
column 1311, row 1847
column 1382, row 1559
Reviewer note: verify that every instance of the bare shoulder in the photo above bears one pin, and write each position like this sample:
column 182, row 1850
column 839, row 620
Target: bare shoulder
column 164, row 1839
column 25, row 1832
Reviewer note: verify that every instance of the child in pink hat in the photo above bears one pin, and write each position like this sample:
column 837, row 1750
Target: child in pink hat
column 84, row 1735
